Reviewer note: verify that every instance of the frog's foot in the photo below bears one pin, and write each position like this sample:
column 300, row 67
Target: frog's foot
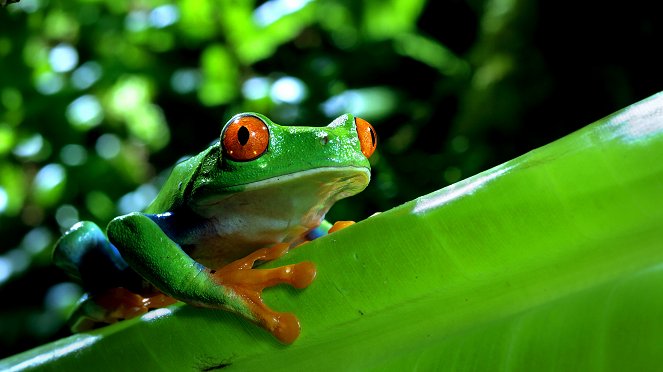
column 115, row 304
column 122, row 304
column 338, row 225
column 247, row 283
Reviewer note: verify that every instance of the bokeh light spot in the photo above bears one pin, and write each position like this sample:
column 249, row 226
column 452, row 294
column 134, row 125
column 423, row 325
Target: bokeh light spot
column 164, row 16
column 11, row 98
column 6, row 138
column 129, row 94
column 273, row 10
column 373, row 102
column 29, row 147
column 460, row 144
column 62, row 295
column 29, row 6
column 137, row 200
column 49, row 83
column 86, row 75
column 4, row 201
column 289, row 90
column 185, row 80
column 73, row 154
column 136, row 21
column 63, row 58
column 19, row 260
column 49, row 177
column 5, row 269
column 452, row 174
column 85, row 112
column 100, row 205
column 108, row 146
column 37, row 240
column 256, row 88
column 67, row 216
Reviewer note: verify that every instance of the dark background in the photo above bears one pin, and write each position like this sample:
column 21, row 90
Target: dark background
column 452, row 88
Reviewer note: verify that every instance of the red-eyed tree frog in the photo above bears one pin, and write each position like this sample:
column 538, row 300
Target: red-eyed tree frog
column 257, row 192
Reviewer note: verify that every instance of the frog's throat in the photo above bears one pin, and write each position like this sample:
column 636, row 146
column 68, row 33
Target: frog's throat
column 278, row 210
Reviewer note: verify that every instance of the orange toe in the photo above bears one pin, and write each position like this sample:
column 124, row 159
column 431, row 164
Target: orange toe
column 338, row 225
column 248, row 283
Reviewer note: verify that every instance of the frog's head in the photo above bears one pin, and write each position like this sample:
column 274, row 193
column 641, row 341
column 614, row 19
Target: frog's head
column 317, row 165
column 253, row 148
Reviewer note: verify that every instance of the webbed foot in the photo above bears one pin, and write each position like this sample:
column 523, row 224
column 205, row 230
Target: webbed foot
column 248, row 283
column 113, row 305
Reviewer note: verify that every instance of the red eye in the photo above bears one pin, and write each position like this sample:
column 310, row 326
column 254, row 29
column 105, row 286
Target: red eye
column 368, row 138
column 246, row 138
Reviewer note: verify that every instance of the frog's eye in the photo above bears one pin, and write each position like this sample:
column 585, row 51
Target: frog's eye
column 245, row 138
column 368, row 138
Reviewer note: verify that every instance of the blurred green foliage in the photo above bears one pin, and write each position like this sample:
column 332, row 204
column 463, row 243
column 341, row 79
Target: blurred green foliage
column 98, row 98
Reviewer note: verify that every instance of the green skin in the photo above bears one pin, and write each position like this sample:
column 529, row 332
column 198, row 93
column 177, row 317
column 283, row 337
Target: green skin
column 213, row 210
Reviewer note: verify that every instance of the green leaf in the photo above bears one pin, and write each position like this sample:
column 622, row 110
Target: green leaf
column 549, row 261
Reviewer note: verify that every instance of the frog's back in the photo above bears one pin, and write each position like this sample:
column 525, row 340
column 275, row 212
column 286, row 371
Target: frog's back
column 174, row 191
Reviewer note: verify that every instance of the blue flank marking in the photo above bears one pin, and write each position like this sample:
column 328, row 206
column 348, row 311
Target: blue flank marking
column 316, row 233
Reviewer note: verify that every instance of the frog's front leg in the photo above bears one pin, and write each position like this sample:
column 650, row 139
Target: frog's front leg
column 236, row 287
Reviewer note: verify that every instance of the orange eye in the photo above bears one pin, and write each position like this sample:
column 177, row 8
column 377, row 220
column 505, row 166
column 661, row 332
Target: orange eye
column 245, row 138
column 368, row 138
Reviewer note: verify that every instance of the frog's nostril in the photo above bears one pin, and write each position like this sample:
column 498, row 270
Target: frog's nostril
column 324, row 138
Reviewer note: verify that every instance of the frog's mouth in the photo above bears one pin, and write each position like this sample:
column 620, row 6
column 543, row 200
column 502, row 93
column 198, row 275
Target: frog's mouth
column 341, row 177
column 307, row 194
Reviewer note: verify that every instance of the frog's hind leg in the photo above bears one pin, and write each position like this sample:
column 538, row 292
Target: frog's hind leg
column 86, row 255
column 248, row 283
column 112, row 305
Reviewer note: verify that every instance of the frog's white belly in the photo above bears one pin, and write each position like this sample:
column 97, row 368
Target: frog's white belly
column 277, row 210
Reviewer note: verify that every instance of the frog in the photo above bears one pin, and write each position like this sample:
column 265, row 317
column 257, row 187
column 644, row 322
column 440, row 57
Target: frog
column 257, row 192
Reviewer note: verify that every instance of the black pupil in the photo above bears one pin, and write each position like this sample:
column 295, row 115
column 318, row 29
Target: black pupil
column 243, row 135
column 372, row 136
